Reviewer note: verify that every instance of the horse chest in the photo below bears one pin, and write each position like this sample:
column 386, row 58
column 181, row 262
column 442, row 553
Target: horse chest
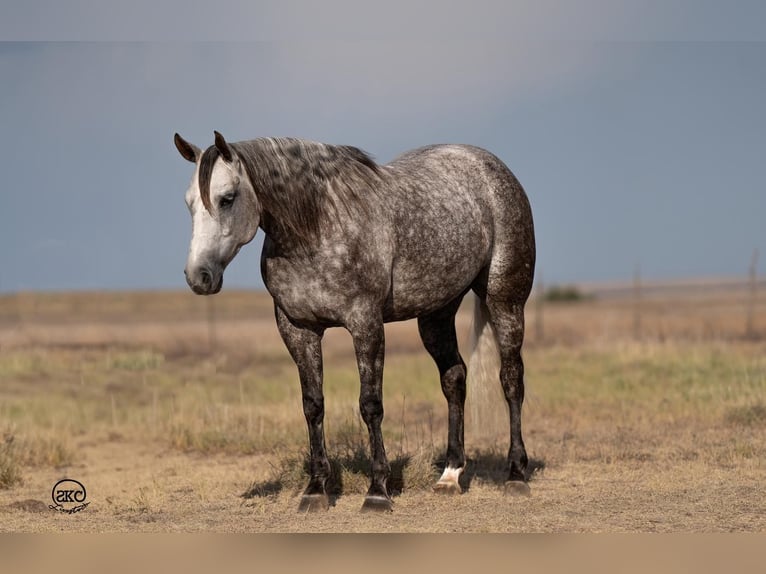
column 313, row 294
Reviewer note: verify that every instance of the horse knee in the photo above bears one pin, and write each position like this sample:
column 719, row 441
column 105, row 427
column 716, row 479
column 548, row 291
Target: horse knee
column 313, row 408
column 371, row 408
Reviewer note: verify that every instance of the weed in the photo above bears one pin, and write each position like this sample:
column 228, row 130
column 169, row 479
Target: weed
column 564, row 294
column 17, row 452
column 746, row 415
column 10, row 469
column 137, row 361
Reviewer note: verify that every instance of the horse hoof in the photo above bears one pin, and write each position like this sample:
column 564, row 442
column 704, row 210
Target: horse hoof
column 377, row 504
column 449, row 483
column 517, row 488
column 314, row 503
column 448, row 488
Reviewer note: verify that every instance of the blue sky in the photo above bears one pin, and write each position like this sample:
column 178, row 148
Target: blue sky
column 639, row 139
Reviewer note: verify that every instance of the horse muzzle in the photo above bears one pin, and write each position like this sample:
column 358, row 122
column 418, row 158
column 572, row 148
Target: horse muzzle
column 204, row 281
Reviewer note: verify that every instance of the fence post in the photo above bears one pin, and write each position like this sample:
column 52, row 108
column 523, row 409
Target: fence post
column 637, row 301
column 211, row 338
column 539, row 302
column 751, row 302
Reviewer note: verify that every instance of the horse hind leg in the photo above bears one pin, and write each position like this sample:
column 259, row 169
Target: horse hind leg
column 437, row 330
column 507, row 318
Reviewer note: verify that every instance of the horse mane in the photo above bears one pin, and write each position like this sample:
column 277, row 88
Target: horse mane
column 292, row 180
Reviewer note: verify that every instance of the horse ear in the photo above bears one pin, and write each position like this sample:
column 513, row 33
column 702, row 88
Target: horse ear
column 188, row 151
column 223, row 147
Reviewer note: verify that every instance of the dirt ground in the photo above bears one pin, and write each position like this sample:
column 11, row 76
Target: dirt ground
column 181, row 414
column 203, row 494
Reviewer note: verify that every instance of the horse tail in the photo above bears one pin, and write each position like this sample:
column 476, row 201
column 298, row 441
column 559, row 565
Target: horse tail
column 486, row 417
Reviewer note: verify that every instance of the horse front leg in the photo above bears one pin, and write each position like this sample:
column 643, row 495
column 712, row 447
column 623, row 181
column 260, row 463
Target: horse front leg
column 369, row 346
column 305, row 347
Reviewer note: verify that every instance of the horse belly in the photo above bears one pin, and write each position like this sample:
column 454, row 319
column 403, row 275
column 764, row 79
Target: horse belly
column 433, row 269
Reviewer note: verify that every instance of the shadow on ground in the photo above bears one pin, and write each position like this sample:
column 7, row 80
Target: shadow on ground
column 407, row 472
column 492, row 467
column 293, row 476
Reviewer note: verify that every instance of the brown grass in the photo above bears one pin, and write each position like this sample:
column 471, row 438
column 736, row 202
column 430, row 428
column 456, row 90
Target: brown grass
column 174, row 429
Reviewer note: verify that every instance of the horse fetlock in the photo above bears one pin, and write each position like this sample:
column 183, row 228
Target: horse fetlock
column 517, row 463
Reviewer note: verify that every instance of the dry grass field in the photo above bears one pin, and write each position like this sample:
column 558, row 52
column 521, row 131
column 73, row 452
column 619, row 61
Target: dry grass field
column 183, row 413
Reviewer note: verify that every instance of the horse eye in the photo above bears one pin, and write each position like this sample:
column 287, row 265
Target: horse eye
column 226, row 200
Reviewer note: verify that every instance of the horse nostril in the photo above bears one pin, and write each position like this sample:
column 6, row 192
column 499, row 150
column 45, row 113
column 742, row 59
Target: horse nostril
column 206, row 278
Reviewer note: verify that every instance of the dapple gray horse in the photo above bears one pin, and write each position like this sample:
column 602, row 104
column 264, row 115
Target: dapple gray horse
column 350, row 243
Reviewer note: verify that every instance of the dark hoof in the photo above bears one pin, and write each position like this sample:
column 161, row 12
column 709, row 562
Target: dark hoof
column 377, row 503
column 448, row 488
column 314, row 503
column 517, row 488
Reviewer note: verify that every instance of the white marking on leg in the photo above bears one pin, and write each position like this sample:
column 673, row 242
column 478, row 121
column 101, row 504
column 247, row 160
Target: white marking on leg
column 450, row 476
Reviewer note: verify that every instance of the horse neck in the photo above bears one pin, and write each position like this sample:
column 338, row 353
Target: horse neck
column 290, row 198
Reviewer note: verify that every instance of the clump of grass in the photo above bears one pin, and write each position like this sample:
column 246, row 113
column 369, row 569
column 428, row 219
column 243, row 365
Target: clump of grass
column 747, row 415
column 211, row 441
column 44, row 451
column 146, row 501
column 415, row 471
column 290, row 473
column 17, row 452
column 135, row 361
column 10, row 469
column 23, row 364
column 420, row 471
column 565, row 294
column 231, row 429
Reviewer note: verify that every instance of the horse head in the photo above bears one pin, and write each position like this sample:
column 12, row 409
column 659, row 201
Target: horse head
column 224, row 208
